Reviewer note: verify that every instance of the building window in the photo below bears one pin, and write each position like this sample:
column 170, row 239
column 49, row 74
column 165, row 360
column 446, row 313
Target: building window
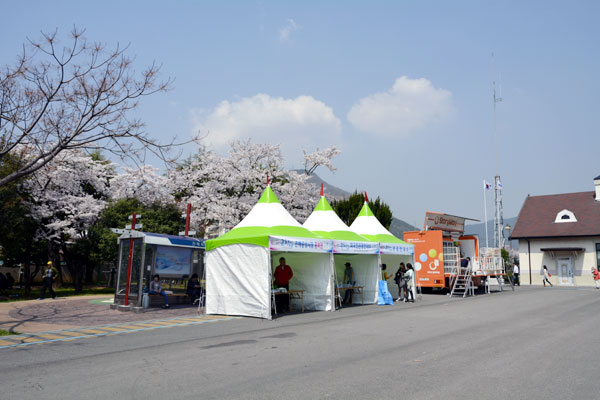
column 598, row 255
column 565, row 216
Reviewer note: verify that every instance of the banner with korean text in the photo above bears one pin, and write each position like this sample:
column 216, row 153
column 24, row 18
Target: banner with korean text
column 307, row 245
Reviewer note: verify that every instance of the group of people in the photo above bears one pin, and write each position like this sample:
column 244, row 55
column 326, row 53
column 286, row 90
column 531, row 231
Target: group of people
column 404, row 278
column 194, row 289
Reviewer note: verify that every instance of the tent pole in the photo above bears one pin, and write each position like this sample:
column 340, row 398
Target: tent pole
column 270, row 286
column 333, row 281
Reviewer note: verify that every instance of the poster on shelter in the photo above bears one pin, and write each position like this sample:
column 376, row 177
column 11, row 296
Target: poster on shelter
column 173, row 260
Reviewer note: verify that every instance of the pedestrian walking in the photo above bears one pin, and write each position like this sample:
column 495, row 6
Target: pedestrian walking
column 409, row 277
column 547, row 276
column 516, row 272
column 596, row 277
column 47, row 283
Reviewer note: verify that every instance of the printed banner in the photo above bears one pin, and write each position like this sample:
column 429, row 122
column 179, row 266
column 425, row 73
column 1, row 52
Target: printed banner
column 351, row 247
column 445, row 222
column 396, row 248
column 307, row 245
column 173, row 260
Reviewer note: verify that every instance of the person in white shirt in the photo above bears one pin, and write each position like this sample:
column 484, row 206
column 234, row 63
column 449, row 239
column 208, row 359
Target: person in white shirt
column 409, row 276
column 547, row 276
column 516, row 272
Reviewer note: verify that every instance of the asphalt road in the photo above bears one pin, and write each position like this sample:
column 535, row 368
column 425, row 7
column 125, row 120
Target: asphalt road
column 534, row 343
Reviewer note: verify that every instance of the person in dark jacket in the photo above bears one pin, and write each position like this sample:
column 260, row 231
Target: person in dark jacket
column 194, row 290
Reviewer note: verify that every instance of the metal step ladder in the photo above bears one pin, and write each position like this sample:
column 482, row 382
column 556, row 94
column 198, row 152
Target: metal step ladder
column 463, row 285
column 500, row 279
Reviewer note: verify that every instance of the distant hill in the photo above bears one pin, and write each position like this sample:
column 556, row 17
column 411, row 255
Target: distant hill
column 332, row 192
column 397, row 227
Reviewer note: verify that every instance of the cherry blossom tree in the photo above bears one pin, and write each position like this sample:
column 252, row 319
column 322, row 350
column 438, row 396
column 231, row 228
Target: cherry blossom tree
column 318, row 158
column 67, row 196
column 145, row 184
column 222, row 190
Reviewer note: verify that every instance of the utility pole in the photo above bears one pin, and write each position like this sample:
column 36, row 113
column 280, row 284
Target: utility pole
column 133, row 219
column 186, row 215
column 498, row 217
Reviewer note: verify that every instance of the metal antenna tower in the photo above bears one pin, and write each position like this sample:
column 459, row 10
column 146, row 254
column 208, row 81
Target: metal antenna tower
column 498, row 218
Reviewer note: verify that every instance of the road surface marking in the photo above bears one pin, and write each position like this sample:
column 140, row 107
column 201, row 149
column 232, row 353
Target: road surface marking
column 109, row 330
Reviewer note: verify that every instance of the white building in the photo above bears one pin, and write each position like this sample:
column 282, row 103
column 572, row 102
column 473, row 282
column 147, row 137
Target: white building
column 561, row 231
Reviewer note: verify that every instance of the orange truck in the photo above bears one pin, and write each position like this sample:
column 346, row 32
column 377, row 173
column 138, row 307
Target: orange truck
column 439, row 249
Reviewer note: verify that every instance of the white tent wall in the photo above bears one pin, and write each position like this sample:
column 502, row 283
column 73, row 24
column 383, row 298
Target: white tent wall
column 313, row 274
column 366, row 273
column 392, row 261
column 238, row 281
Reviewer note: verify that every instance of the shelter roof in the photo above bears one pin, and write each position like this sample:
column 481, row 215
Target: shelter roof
column 165, row 240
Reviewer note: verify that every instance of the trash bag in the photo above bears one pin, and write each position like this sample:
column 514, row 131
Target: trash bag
column 385, row 297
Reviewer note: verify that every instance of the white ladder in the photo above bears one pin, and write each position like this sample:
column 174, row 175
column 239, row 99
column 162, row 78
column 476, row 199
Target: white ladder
column 463, row 285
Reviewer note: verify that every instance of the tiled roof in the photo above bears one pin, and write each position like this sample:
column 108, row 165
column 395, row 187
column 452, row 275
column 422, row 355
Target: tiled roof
column 536, row 219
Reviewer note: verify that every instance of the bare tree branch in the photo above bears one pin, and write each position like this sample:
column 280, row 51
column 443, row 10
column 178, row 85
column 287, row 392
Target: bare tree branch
column 77, row 96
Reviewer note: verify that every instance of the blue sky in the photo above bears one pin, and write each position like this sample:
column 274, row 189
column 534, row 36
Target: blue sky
column 403, row 88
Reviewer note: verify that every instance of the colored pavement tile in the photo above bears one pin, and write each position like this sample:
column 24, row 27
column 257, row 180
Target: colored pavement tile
column 99, row 331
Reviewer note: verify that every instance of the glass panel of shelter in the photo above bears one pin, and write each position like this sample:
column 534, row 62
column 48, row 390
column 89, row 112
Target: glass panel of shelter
column 136, row 264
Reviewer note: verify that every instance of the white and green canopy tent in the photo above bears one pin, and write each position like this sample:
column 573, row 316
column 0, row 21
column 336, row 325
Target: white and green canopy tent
column 392, row 251
column 239, row 264
column 348, row 246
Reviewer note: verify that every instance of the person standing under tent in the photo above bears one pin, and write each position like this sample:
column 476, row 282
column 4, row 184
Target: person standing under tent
column 384, row 275
column 547, row 276
column 596, row 277
column 516, row 275
column 349, row 279
column 409, row 277
column 156, row 288
column 48, row 277
column 399, row 279
column 282, row 275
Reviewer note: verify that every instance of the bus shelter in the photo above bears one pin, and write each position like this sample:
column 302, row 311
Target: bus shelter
column 174, row 258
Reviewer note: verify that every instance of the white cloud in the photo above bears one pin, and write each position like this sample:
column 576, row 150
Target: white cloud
column 296, row 124
column 286, row 31
column 410, row 105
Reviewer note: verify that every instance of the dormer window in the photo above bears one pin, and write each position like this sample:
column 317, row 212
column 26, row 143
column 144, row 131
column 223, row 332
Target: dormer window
column 565, row 216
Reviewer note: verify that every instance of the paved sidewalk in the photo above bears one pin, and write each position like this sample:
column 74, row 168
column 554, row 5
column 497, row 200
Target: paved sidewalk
column 29, row 339
column 75, row 312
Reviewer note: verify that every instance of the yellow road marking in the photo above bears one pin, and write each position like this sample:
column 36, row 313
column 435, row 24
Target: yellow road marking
column 162, row 323
column 112, row 329
column 186, row 320
column 48, row 336
column 149, row 325
column 32, row 340
column 68, row 333
column 6, row 343
column 95, row 331
column 130, row 327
